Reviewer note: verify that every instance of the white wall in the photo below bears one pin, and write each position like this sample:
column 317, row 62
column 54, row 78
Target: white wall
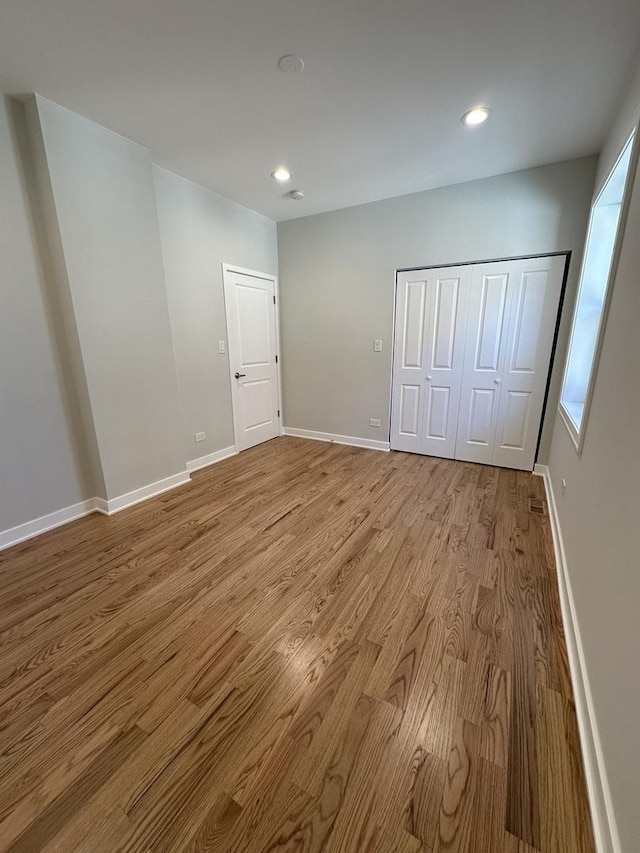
column 337, row 276
column 40, row 471
column 600, row 516
column 104, row 197
column 200, row 231
column 96, row 300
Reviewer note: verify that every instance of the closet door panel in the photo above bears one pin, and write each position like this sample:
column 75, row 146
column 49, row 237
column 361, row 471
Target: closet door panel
column 429, row 346
column 536, row 284
column 445, row 335
column 489, row 306
column 407, row 401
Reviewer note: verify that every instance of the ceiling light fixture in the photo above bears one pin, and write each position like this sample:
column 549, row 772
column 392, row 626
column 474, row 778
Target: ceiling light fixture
column 281, row 174
column 291, row 64
column 476, row 116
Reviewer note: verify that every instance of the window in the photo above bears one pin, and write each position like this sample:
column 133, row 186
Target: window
column 595, row 277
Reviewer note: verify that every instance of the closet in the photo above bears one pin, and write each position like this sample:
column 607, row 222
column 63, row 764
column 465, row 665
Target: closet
column 472, row 351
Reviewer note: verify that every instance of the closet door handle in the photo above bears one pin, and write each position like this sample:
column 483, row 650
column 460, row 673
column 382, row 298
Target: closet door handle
column 497, row 381
column 239, row 375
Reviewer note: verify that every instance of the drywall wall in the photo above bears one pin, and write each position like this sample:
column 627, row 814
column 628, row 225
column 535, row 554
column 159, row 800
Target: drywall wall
column 40, row 471
column 60, row 303
column 600, row 513
column 200, row 231
column 104, row 200
column 337, row 278
column 96, row 301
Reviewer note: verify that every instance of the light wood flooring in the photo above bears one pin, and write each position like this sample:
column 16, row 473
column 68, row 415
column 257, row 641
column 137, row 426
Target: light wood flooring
column 309, row 648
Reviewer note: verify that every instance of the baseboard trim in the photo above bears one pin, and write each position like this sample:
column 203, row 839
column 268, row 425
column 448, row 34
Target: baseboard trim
column 33, row 528
column 600, row 803
column 337, row 439
column 46, row 522
column 212, row 458
column 145, row 493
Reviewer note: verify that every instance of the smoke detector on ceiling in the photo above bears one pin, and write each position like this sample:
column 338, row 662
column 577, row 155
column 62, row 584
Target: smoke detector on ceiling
column 296, row 195
column 290, row 64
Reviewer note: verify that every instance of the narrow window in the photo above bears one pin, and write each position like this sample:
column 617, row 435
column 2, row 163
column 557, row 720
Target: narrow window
column 595, row 280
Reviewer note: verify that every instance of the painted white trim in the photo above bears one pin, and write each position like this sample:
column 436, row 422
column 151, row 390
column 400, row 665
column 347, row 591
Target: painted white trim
column 571, row 428
column 33, row 528
column 577, row 433
column 146, row 492
column 604, row 824
column 46, row 522
column 267, row 276
column 211, row 458
column 337, row 439
column 101, row 505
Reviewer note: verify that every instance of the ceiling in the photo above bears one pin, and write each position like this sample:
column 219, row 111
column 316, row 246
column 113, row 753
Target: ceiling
column 376, row 111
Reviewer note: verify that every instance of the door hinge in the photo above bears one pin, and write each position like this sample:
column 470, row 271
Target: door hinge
column 274, row 300
column 276, row 359
column 278, row 412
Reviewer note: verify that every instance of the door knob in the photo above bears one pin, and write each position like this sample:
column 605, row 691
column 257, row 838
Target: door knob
column 239, row 375
column 428, row 378
column 497, row 381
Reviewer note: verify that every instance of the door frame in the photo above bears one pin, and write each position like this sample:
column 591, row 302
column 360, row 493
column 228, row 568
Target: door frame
column 556, row 332
column 227, row 270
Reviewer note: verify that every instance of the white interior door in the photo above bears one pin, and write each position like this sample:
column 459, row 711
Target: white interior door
column 431, row 315
column 472, row 353
column 252, row 334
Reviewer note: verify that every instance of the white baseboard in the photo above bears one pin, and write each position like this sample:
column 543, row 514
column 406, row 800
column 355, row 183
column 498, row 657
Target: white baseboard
column 100, row 505
column 600, row 803
column 145, row 493
column 337, row 439
column 70, row 513
column 212, row 458
column 46, row 522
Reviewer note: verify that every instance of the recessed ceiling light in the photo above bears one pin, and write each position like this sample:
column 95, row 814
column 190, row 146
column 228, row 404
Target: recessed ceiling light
column 477, row 115
column 281, row 174
column 291, row 64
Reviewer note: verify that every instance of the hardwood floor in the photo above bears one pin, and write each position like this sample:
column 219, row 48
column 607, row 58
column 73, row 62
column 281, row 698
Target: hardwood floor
column 310, row 648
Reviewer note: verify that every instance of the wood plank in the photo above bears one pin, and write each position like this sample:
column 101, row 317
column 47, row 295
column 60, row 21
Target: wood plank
column 523, row 795
column 456, row 822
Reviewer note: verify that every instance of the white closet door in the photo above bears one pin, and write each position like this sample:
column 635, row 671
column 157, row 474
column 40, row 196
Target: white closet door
column 512, row 317
column 489, row 306
column 431, row 312
column 536, row 286
column 472, row 352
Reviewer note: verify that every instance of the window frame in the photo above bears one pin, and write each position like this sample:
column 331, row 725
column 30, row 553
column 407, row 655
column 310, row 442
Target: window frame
column 577, row 433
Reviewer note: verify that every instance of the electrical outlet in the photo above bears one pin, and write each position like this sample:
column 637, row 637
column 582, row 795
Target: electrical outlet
column 221, row 346
column 563, row 486
column 375, row 422
column 377, row 345
column 200, row 436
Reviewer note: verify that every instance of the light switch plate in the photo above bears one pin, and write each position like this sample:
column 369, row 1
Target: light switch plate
column 377, row 345
column 221, row 346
